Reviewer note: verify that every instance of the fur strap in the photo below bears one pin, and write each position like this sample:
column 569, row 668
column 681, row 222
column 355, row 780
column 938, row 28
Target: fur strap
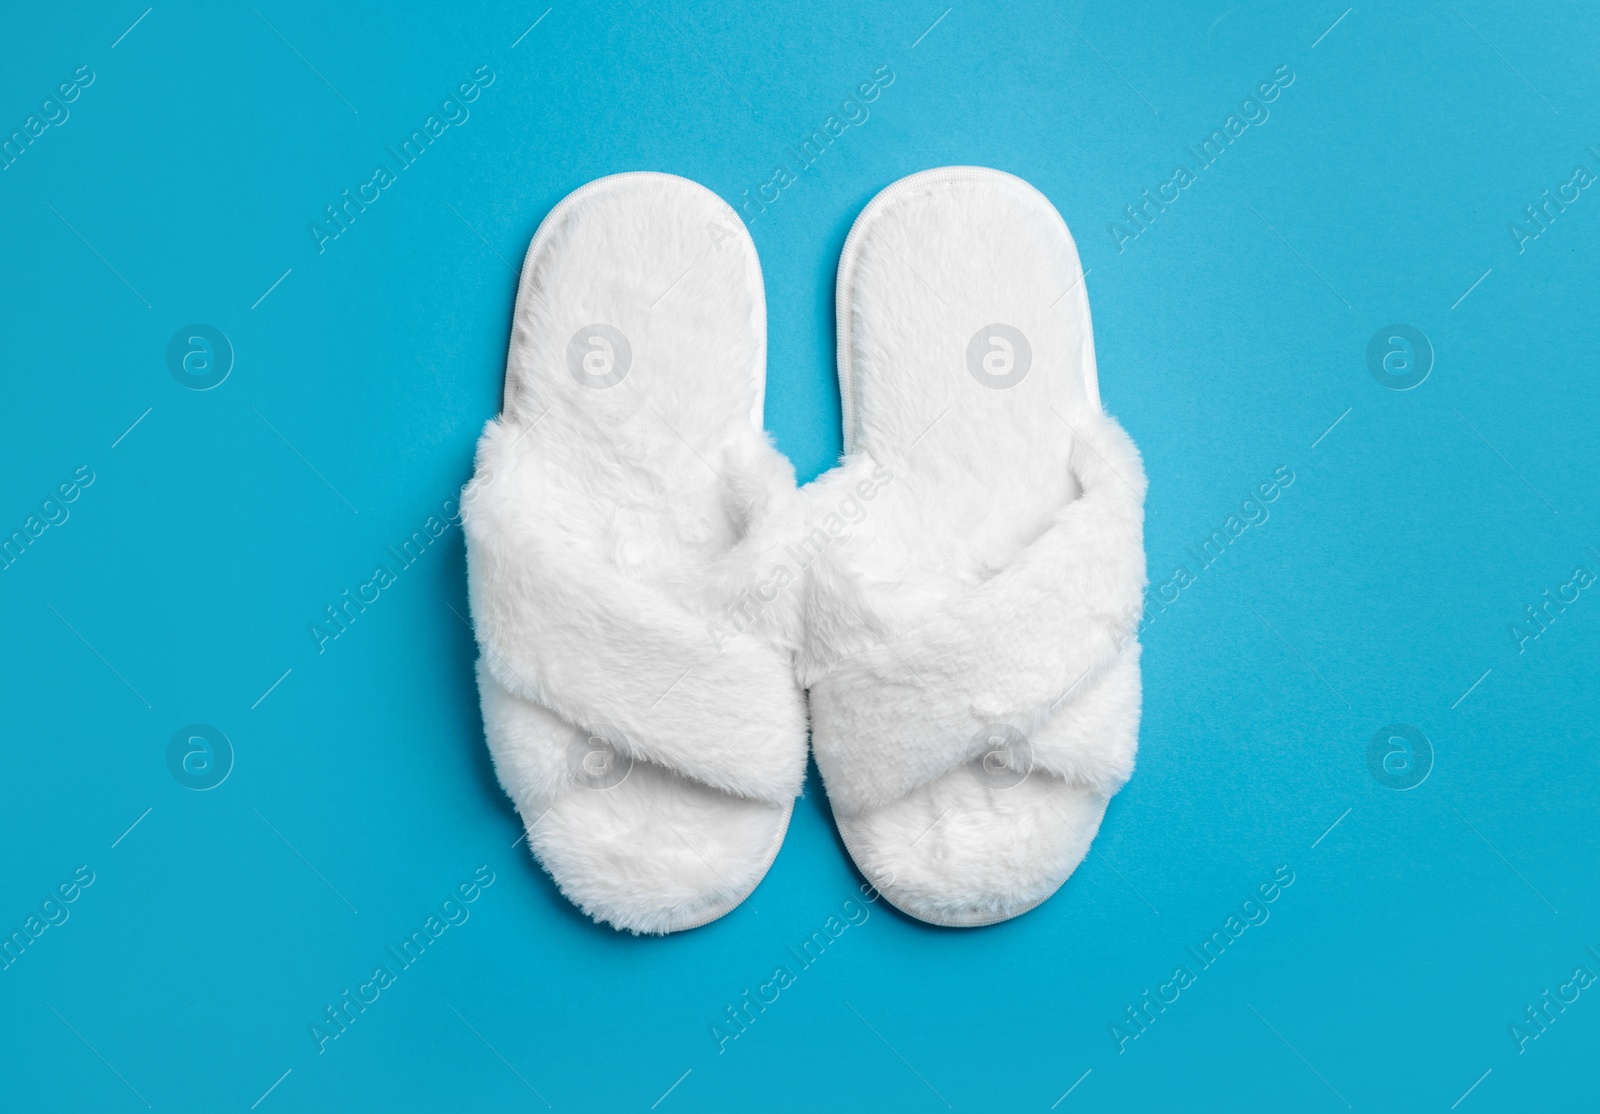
column 1042, row 652
column 631, row 659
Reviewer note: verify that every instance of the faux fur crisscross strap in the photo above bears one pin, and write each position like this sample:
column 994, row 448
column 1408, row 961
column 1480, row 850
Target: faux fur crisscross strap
column 562, row 626
column 1041, row 651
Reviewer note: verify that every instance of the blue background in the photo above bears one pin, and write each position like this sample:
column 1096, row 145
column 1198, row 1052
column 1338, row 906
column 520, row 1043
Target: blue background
column 1232, row 333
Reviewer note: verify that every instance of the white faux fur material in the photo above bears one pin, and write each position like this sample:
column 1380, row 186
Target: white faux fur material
column 616, row 508
column 976, row 564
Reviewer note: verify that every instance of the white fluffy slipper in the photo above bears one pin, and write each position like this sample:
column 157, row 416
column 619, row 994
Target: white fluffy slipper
column 615, row 508
column 976, row 563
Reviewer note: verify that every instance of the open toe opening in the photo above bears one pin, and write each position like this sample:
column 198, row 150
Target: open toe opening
column 961, row 853
column 657, row 852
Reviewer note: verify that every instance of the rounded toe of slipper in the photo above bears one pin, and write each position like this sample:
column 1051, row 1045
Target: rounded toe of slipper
column 960, row 853
column 656, row 852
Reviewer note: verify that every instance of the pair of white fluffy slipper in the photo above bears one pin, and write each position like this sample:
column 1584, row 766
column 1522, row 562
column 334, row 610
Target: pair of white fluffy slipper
column 653, row 597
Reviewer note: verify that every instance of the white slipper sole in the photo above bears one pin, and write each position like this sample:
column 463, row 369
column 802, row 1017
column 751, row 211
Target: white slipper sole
column 655, row 768
column 967, row 373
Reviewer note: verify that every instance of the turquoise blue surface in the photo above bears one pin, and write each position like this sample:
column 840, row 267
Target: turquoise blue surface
column 1366, row 628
